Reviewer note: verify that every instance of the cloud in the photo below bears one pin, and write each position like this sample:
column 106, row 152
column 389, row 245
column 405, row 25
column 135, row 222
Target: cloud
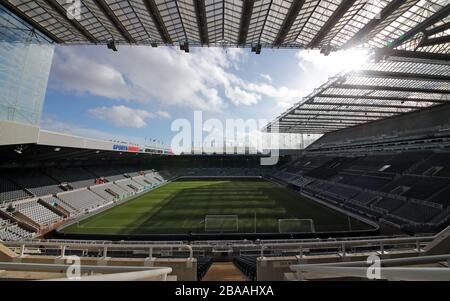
column 163, row 114
column 239, row 96
column 203, row 79
column 52, row 124
column 122, row 116
column 267, row 77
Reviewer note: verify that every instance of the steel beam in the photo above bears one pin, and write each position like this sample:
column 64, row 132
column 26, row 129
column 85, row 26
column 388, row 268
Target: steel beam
column 292, row 14
column 401, row 75
column 434, row 41
column 380, row 98
column 363, row 32
column 63, row 13
column 116, row 22
column 246, row 15
column 441, row 14
column 157, row 19
column 331, row 22
column 388, row 88
column 201, row 21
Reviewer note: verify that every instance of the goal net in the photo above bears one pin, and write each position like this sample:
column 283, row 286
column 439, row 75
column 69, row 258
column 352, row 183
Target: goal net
column 221, row 223
column 296, row 225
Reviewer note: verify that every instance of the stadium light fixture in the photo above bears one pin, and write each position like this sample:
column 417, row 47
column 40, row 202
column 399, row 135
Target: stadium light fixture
column 256, row 48
column 19, row 150
column 57, row 149
column 112, row 45
column 184, row 47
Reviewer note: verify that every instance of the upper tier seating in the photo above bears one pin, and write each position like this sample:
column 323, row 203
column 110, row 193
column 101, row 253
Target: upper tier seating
column 416, row 212
column 82, row 200
column 361, row 181
column 36, row 182
column 77, row 177
column 416, row 187
column 442, row 198
column 109, row 173
column 438, row 165
column 10, row 191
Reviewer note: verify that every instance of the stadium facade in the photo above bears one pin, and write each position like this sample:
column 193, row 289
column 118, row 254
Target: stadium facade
column 26, row 58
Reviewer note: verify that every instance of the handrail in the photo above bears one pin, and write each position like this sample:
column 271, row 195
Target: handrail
column 389, row 268
column 358, row 242
column 159, row 274
column 104, row 247
column 113, row 273
column 396, row 274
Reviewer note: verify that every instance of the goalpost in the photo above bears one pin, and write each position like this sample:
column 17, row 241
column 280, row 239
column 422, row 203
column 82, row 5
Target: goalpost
column 221, row 223
column 294, row 225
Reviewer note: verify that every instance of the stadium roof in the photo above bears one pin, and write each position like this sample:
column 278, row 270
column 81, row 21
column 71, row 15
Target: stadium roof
column 419, row 25
column 383, row 88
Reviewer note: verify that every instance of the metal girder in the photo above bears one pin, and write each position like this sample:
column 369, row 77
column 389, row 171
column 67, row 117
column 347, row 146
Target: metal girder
column 331, row 22
column 30, row 21
column 116, row 22
column 362, row 105
column 441, row 14
column 325, row 118
column 361, row 34
column 388, row 88
column 434, row 41
column 338, row 115
column 327, row 122
column 246, row 15
column 63, row 13
column 378, row 98
column 159, row 23
column 341, row 110
column 292, row 14
column 386, row 52
column 265, row 21
column 401, row 75
column 201, row 21
column 437, row 29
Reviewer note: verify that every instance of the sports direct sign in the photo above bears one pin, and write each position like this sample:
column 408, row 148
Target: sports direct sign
column 126, row 148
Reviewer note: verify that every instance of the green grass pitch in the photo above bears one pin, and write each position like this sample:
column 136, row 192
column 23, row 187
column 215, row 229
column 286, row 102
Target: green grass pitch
column 181, row 206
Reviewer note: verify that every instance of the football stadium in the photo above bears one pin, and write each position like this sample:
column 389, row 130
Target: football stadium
column 360, row 182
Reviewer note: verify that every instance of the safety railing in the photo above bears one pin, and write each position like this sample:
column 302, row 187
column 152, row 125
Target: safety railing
column 108, row 273
column 389, row 269
column 103, row 248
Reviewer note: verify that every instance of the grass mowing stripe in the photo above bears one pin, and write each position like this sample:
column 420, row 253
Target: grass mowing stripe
column 181, row 206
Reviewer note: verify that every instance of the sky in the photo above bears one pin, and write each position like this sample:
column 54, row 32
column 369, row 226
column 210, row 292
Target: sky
column 135, row 94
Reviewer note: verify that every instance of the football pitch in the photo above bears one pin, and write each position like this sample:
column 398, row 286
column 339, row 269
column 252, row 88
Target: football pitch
column 180, row 207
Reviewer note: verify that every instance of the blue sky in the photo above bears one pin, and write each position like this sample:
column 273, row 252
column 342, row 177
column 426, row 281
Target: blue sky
column 138, row 91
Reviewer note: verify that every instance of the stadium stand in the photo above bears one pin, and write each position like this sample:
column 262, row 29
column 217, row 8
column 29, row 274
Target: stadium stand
column 109, row 191
column 55, row 202
column 203, row 264
column 247, row 265
column 10, row 191
column 129, row 185
column 82, row 200
column 37, row 212
column 76, row 177
column 36, row 182
column 10, row 231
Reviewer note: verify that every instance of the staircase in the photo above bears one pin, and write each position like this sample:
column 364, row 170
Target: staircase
column 224, row 271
